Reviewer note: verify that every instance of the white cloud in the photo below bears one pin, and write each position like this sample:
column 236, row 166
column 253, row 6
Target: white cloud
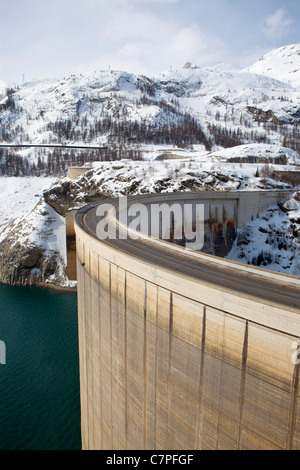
column 124, row 25
column 190, row 43
column 152, row 1
column 276, row 25
column 127, row 3
column 144, row 42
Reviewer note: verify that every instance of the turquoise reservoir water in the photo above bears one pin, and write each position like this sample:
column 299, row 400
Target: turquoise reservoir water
column 39, row 384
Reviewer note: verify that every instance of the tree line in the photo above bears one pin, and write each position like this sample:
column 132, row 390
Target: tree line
column 123, row 135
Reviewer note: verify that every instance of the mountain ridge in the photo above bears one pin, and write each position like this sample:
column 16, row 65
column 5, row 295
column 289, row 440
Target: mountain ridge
column 282, row 63
column 216, row 107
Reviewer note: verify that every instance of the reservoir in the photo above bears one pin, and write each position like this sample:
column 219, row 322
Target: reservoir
column 39, row 381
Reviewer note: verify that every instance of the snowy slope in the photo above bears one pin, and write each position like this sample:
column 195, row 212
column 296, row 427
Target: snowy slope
column 208, row 82
column 258, row 152
column 273, row 240
column 220, row 95
column 282, row 64
column 114, row 179
column 18, row 196
column 41, row 227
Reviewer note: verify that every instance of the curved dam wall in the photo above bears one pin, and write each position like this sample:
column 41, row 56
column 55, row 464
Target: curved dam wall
column 224, row 213
column 182, row 350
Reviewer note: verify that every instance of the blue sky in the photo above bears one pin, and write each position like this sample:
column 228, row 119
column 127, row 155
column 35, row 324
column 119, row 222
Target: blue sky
column 43, row 38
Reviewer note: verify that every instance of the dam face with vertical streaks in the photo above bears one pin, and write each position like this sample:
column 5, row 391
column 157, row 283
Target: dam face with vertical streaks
column 181, row 349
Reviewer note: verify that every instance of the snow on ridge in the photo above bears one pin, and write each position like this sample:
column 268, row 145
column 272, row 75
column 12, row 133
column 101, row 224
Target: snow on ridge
column 259, row 151
column 282, row 63
column 218, row 76
column 18, row 196
column 201, row 92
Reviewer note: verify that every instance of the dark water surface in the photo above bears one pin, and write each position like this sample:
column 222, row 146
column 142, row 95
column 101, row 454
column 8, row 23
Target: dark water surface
column 39, row 384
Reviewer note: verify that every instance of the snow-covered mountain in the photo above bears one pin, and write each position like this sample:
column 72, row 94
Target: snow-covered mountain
column 216, row 107
column 282, row 64
column 193, row 129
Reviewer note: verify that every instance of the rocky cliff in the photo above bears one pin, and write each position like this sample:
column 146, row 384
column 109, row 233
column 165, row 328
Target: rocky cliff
column 33, row 247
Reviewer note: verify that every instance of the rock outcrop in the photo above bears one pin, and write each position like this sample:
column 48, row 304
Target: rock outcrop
column 68, row 193
column 33, row 248
column 28, row 265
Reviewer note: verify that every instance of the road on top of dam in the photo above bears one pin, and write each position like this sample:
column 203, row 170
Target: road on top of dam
column 251, row 284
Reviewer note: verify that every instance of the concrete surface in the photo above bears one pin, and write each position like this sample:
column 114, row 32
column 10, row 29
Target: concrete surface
column 75, row 171
column 183, row 350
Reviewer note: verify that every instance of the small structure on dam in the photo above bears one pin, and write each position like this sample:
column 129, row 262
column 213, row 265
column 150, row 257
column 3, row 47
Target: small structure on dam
column 181, row 349
column 75, row 171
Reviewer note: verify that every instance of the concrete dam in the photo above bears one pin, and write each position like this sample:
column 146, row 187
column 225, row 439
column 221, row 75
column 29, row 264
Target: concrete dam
column 181, row 349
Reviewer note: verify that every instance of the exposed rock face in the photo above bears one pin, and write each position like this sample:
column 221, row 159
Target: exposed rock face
column 291, row 115
column 264, row 116
column 68, row 193
column 32, row 258
column 60, row 197
column 31, row 247
column 27, row 265
column 278, row 160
